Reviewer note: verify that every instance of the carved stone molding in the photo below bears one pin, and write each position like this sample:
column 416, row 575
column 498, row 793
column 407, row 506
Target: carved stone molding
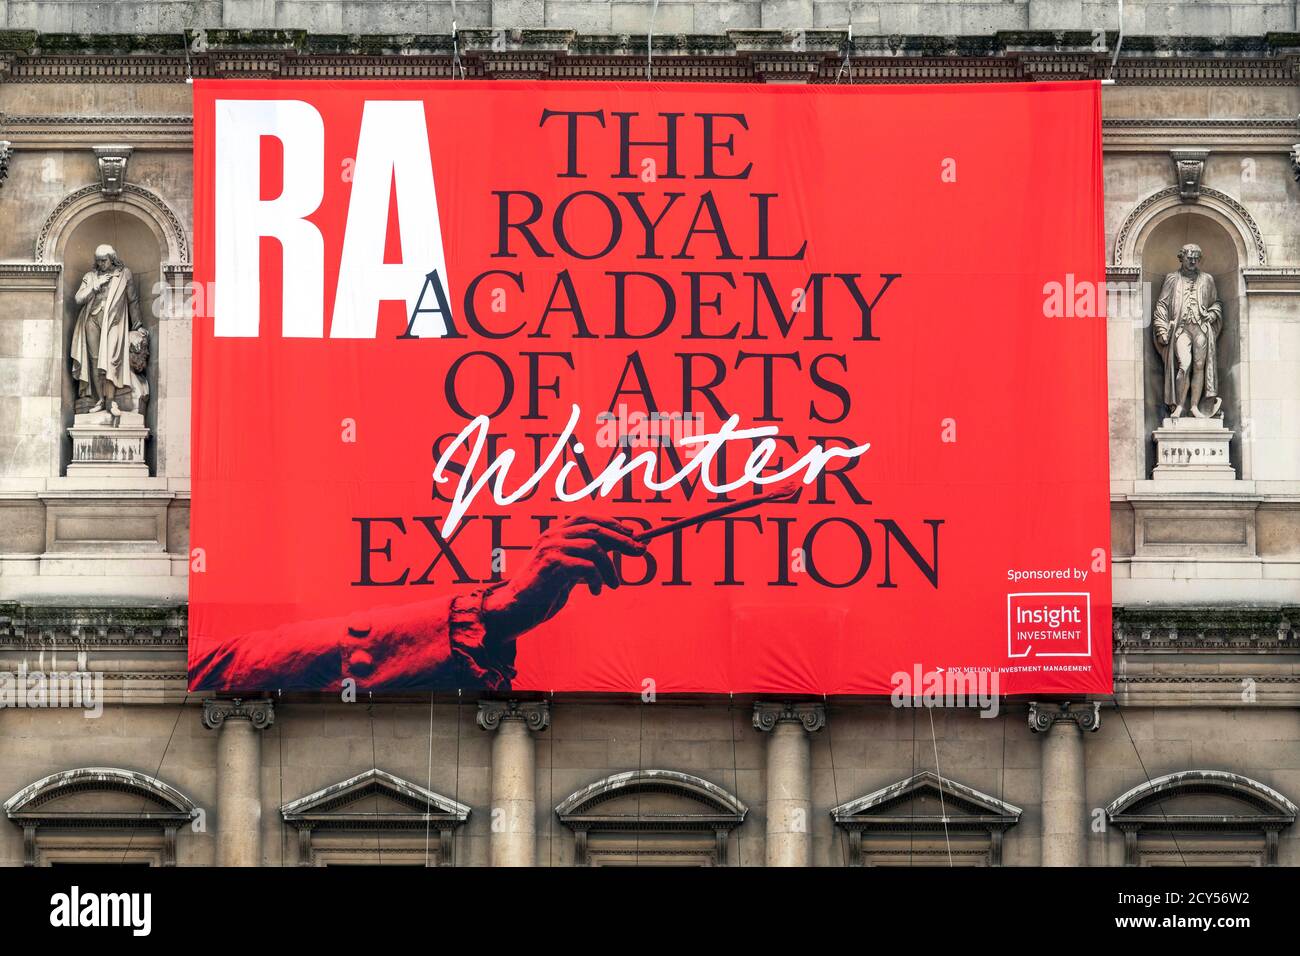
column 1043, row 716
column 1248, row 807
column 86, row 130
column 112, row 167
column 132, row 194
column 261, row 713
column 1189, row 167
column 1152, row 134
column 536, row 714
column 162, row 807
column 1173, row 630
column 1241, row 221
column 35, row 276
column 335, row 809
column 891, row 810
column 819, row 55
column 37, row 626
column 704, row 807
column 768, row 714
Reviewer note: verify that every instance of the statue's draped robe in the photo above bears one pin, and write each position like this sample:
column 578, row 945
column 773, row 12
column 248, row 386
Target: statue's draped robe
column 119, row 312
column 1177, row 308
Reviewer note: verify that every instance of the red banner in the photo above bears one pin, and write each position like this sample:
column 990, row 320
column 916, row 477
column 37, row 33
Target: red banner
column 650, row 387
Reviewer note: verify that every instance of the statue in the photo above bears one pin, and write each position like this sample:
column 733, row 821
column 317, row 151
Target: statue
column 110, row 345
column 1188, row 318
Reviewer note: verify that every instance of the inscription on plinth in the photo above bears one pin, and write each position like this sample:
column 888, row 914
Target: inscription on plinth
column 104, row 445
column 1193, row 448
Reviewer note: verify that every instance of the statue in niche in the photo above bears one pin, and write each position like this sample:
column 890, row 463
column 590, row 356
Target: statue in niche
column 110, row 344
column 1187, row 321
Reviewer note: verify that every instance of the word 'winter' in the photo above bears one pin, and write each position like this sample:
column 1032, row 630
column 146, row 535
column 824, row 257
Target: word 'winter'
column 810, row 464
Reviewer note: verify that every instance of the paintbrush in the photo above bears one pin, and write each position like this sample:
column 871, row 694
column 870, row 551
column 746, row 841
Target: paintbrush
column 782, row 492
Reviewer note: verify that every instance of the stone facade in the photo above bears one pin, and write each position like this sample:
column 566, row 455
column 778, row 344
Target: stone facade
column 1200, row 134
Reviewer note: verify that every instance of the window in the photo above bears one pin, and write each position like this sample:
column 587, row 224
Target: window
column 99, row 815
column 1201, row 818
column 375, row 818
column 925, row 820
column 651, row 818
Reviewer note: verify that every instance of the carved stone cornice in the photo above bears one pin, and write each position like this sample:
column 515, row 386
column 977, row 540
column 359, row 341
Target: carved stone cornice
column 1250, row 630
column 83, row 131
column 768, row 714
column 1157, row 134
column 1043, row 716
column 819, row 55
column 535, row 714
column 260, row 713
column 36, row 626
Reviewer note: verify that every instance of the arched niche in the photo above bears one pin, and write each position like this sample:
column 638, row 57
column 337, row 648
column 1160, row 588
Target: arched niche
column 152, row 241
column 1230, row 241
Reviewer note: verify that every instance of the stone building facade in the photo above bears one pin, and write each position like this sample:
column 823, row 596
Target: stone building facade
column 1195, row 760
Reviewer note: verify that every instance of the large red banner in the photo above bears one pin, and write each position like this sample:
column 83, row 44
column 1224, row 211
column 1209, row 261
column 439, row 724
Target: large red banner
column 649, row 387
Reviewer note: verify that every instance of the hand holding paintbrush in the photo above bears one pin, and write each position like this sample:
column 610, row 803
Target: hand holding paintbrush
column 782, row 492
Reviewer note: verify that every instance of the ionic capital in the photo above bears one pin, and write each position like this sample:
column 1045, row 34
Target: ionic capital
column 536, row 714
column 768, row 714
column 1043, row 716
column 260, row 713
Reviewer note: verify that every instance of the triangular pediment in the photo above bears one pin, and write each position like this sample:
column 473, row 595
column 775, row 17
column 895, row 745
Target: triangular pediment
column 373, row 792
column 926, row 796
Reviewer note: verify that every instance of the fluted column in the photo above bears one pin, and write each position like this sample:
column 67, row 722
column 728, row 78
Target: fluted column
column 789, row 778
column 239, row 724
column 513, row 840
column 1065, row 823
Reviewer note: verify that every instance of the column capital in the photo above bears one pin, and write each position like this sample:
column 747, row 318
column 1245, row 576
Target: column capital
column 216, row 711
column 536, row 714
column 767, row 714
column 1043, row 716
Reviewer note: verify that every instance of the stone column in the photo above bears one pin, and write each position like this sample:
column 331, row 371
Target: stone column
column 789, row 778
column 239, row 777
column 1065, row 816
column 514, row 778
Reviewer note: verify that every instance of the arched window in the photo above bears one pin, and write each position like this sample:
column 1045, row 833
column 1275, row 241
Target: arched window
column 99, row 815
column 651, row 818
column 925, row 820
column 375, row 818
column 1201, row 818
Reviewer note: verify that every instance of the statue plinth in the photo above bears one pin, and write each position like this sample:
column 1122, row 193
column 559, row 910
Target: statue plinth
column 108, row 446
column 1193, row 448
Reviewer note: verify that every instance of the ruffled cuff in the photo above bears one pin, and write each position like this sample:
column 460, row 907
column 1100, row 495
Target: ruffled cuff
column 489, row 662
